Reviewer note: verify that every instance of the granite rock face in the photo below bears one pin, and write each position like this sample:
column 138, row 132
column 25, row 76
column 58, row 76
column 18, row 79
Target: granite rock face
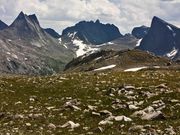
column 92, row 32
column 26, row 48
column 162, row 39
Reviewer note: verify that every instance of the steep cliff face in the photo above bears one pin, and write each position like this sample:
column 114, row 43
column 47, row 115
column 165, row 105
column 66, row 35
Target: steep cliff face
column 3, row 25
column 162, row 39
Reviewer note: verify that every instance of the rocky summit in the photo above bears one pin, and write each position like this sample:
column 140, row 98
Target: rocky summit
column 27, row 49
column 162, row 39
column 92, row 32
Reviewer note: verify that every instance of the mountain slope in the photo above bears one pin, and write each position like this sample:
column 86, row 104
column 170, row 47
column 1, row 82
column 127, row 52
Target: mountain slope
column 162, row 39
column 27, row 49
column 52, row 32
column 3, row 25
column 118, row 60
column 127, row 41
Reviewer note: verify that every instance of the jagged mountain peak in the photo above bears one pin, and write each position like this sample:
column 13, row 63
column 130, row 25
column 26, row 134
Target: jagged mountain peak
column 33, row 18
column 162, row 39
column 158, row 21
column 27, row 49
column 21, row 15
column 92, row 32
column 97, row 21
column 24, row 20
column 26, row 26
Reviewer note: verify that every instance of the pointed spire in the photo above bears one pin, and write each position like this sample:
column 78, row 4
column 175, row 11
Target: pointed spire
column 97, row 21
column 21, row 15
column 33, row 18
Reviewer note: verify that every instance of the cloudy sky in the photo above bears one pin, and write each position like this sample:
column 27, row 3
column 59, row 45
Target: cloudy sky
column 125, row 14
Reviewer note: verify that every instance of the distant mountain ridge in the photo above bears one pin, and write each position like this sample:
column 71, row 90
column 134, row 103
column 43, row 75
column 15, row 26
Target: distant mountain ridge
column 90, row 36
column 140, row 32
column 162, row 39
column 92, row 32
column 52, row 32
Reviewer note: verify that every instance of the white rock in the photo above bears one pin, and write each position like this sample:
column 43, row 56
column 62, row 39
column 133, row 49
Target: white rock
column 154, row 115
column 95, row 113
column 28, row 124
column 127, row 119
column 122, row 118
column 105, row 122
column 106, row 112
column 17, row 103
column 129, row 87
column 52, row 126
column 92, row 108
column 133, row 107
column 70, row 124
column 119, row 118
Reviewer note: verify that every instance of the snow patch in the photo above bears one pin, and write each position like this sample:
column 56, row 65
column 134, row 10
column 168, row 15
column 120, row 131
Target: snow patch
column 134, row 69
column 72, row 35
column 83, row 48
column 173, row 53
column 110, row 43
column 106, row 67
column 60, row 40
column 169, row 27
column 65, row 46
column 139, row 42
column 97, row 58
column 104, row 44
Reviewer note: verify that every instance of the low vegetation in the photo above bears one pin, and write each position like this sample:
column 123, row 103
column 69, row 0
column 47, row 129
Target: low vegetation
column 144, row 102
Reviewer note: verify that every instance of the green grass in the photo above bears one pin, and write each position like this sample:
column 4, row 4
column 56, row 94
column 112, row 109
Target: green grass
column 88, row 88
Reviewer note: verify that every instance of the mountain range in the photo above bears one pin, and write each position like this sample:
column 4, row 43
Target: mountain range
column 27, row 48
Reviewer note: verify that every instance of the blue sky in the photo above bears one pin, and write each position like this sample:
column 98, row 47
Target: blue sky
column 125, row 14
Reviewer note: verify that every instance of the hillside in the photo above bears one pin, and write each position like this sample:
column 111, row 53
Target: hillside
column 121, row 59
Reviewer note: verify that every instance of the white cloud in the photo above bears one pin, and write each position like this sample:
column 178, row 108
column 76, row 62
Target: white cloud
column 59, row 14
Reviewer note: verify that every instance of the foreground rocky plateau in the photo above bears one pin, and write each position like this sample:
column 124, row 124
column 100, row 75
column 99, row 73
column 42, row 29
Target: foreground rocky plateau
column 107, row 102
